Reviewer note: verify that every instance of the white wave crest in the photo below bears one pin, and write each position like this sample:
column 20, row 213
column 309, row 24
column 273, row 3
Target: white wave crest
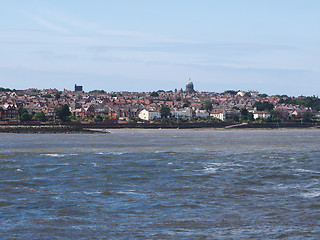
column 210, row 170
column 313, row 194
column 93, row 193
column 53, row 155
column 273, row 157
column 306, row 171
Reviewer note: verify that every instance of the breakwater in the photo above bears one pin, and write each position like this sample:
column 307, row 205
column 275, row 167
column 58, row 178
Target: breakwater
column 42, row 129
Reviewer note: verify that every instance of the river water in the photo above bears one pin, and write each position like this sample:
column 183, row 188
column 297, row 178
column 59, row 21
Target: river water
column 161, row 184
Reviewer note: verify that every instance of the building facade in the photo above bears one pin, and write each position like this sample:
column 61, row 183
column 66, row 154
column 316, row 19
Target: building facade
column 149, row 115
column 78, row 88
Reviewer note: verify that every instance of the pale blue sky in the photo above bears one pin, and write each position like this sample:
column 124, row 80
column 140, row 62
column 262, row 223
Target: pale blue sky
column 267, row 45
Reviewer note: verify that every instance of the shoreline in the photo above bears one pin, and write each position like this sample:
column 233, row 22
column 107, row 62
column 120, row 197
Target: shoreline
column 68, row 128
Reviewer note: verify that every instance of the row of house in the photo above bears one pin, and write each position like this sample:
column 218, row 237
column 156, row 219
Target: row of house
column 144, row 105
column 188, row 113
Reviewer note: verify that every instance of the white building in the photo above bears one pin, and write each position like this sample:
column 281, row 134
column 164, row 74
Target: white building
column 183, row 113
column 254, row 93
column 202, row 113
column 220, row 114
column 149, row 115
column 261, row 114
column 224, row 114
column 241, row 93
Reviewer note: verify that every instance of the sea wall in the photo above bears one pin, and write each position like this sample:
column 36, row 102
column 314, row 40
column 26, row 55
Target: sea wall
column 71, row 127
column 41, row 129
column 206, row 125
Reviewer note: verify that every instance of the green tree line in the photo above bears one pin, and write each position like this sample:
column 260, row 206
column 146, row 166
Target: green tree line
column 312, row 102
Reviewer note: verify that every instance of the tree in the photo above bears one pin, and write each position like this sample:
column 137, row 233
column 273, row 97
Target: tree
column 207, row 105
column 262, row 106
column 25, row 117
column 97, row 91
column 235, row 118
column 154, row 94
column 63, row 113
column 98, row 118
column 22, row 111
column 165, row 112
column 312, row 102
column 231, row 92
column 244, row 113
column 247, row 94
column 307, row 116
column 5, row 89
column 275, row 114
column 250, row 116
column 186, row 103
column 40, row 116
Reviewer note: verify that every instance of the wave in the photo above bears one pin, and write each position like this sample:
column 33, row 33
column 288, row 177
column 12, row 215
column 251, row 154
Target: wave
column 93, row 193
column 53, row 155
column 131, row 192
column 110, row 153
column 210, row 170
column 306, row 171
column 48, row 165
column 272, row 157
column 313, row 194
column 226, row 164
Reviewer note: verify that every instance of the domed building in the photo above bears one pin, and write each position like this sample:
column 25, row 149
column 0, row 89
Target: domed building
column 190, row 87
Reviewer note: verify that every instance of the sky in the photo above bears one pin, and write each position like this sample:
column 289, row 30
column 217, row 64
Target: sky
column 271, row 46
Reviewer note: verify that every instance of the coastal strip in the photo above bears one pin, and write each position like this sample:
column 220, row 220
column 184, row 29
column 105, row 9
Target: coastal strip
column 101, row 128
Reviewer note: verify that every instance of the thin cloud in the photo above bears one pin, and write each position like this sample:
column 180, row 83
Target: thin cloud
column 81, row 26
column 44, row 23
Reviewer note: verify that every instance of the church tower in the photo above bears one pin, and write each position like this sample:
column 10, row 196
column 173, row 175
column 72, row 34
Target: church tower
column 189, row 87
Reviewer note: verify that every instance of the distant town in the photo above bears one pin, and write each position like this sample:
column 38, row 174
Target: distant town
column 183, row 105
